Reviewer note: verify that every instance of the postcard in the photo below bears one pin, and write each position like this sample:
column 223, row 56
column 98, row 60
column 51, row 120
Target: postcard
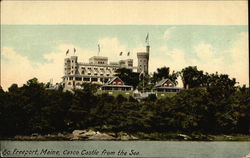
column 124, row 79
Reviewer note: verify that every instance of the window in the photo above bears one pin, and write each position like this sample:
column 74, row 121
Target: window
column 69, row 83
column 70, row 78
column 86, row 79
column 78, row 78
column 94, row 79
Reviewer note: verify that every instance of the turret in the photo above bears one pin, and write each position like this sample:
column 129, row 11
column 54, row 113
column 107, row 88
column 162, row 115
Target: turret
column 67, row 66
column 143, row 60
column 74, row 65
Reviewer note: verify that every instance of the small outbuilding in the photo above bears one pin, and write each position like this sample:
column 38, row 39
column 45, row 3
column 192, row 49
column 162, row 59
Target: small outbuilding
column 116, row 84
column 166, row 85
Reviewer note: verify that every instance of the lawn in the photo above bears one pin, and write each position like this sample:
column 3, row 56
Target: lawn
column 126, row 94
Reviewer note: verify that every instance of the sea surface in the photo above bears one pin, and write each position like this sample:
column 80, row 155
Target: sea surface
column 152, row 149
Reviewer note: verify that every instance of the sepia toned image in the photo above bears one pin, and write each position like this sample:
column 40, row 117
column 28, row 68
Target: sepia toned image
column 124, row 79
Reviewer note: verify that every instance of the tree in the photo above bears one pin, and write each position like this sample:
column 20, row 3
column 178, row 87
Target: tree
column 146, row 83
column 79, row 111
column 128, row 77
column 164, row 73
column 220, row 86
column 190, row 109
column 160, row 74
column 90, row 87
column 192, row 77
column 120, row 99
column 241, row 107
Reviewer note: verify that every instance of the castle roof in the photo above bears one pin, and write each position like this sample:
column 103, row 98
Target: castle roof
column 98, row 57
column 165, row 83
column 114, row 81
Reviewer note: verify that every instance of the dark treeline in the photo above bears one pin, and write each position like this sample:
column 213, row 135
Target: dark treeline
column 211, row 105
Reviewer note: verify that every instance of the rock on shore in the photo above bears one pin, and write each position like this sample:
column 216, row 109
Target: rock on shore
column 96, row 135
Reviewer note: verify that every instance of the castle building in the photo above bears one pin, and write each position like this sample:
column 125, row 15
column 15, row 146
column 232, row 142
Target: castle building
column 98, row 70
column 116, row 84
column 143, row 60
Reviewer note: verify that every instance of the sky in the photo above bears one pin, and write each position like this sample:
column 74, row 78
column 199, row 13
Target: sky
column 29, row 51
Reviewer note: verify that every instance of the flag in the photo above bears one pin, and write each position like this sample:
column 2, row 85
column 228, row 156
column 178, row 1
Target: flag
column 141, row 74
column 99, row 49
column 67, row 52
column 128, row 53
column 74, row 50
column 120, row 53
column 146, row 40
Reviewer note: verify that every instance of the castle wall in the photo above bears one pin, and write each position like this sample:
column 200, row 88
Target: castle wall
column 96, row 71
column 143, row 61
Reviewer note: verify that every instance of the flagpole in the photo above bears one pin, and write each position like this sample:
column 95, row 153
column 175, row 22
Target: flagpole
column 142, row 83
column 99, row 49
column 147, row 39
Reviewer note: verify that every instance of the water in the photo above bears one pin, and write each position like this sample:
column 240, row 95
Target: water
column 167, row 149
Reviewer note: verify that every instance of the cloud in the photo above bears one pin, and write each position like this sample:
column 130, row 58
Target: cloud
column 175, row 59
column 233, row 62
column 18, row 69
column 207, row 59
column 14, row 68
column 167, row 33
column 204, row 51
column 240, row 58
column 111, row 47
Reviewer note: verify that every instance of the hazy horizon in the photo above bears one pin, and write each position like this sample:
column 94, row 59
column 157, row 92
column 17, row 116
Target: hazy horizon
column 38, row 50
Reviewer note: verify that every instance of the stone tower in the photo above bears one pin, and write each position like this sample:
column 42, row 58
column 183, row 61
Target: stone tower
column 143, row 60
column 67, row 66
column 70, row 66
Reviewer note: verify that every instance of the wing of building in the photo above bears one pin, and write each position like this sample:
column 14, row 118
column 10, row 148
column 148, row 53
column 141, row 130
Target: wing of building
column 98, row 70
